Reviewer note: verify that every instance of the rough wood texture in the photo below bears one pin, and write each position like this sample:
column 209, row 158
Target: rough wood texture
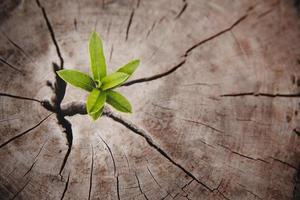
column 216, row 100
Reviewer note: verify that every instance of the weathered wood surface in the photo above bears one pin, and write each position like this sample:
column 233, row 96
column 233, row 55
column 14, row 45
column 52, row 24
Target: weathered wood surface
column 212, row 145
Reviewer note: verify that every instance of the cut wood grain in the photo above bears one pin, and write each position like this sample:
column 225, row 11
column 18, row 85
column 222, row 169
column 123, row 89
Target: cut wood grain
column 216, row 100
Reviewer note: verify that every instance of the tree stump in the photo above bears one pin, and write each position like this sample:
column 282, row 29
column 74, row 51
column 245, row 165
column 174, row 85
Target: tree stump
column 216, row 100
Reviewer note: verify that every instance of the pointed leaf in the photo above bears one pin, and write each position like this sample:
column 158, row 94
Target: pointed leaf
column 113, row 80
column 118, row 101
column 97, row 58
column 77, row 79
column 96, row 115
column 130, row 67
column 95, row 101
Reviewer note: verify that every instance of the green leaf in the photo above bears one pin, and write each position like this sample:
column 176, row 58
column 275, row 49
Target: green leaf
column 118, row 101
column 97, row 58
column 77, row 79
column 130, row 67
column 113, row 80
column 95, row 101
column 96, row 115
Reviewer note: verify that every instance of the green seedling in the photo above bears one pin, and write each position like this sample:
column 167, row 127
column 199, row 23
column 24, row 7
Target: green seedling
column 101, row 86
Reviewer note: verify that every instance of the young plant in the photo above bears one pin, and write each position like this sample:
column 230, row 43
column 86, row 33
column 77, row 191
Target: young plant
column 101, row 86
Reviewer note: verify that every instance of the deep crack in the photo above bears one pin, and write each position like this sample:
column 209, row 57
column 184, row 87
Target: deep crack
column 67, row 126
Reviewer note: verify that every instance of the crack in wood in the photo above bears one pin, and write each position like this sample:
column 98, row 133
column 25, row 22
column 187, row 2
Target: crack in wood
column 151, row 29
column 75, row 24
column 218, row 190
column 91, row 174
column 19, row 97
column 127, row 161
column 215, row 35
column 114, row 165
column 18, row 47
column 24, row 132
column 261, row 94
column 111, row 154
column 138, row 3
column 157, row 76
column 185, row 4
column 203, row 124
column 285, row 163
column 139, row 185
column 66, row 187
column 118, row 188
column 11, row 66
column 52, row 34
column 183, row 187
column 24, row 186
column 187, row 184
column 242, row 155
column 153, row 177
column 67, row 129
column 163, row 198
column 129, row 24
column 35, row 159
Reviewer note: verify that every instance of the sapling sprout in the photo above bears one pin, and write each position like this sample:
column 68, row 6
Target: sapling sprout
column 101, row 86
